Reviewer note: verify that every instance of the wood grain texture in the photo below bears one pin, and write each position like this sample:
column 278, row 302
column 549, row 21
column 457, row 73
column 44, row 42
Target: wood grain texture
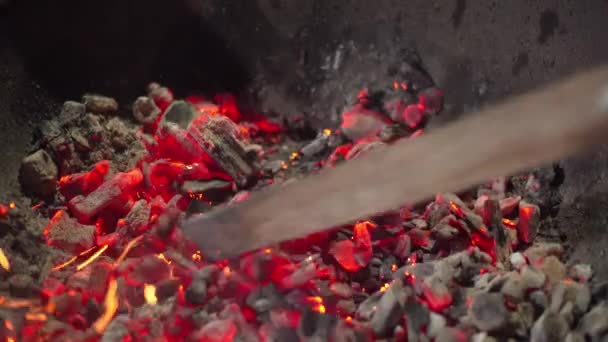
column 523, row 132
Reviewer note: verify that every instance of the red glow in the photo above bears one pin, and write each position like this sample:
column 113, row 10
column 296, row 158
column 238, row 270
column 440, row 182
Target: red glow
column 84, row 183
column 509, row 223
column 436, row 301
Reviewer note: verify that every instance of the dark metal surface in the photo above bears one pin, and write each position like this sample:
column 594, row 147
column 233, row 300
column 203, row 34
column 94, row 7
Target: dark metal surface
column 477, row 50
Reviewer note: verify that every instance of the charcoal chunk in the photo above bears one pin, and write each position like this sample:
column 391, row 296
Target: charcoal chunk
column 488, row 311
column 99, row 104
column 316, row 324
column 197, row 292
column 389, row 310
column 21, row 285
column 71, row 111
column 145, row 110
column 38, row 174
column 67, row 234
column 551, row 326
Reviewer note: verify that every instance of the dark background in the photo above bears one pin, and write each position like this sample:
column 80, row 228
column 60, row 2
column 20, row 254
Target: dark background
column 303, row 56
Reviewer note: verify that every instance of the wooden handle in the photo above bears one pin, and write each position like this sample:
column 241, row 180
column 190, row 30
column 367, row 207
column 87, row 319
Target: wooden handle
column 524, row 132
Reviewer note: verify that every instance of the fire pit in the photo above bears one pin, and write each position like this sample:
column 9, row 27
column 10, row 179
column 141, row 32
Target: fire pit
column 91, row 248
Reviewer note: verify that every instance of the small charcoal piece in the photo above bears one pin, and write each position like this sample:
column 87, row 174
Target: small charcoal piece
column 99, row 104
column 38, row 174
column 217, row 135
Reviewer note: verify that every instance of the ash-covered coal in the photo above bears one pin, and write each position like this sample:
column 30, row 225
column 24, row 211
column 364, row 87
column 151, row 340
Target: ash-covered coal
column 112, row 193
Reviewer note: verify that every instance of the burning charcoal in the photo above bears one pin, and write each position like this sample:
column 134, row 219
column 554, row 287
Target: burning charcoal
column 20, row 285
column 551, row 326
column 539, row 251
column 218, row 136
column 488, row 311
column 300, row 276
column 59, row 330
column 315, row 147
column 197, row 292
column 279, row 334
column 214, row 190
column 436, row 293
column 529, row 220
column 120, row 136
column 79, row 280
column 403, row 248
column 539, row 299
column 391, row 133
column 523, row 318
column 117, row 330
column 81, row 143
column 422, row 239
column 431, row 100
column 38, row 174
column 51, row 134
column 581, row 272
column 162, row 96
column 145, row 110
column 99, row 104
column 509, row 205
column 98, row 280
column 514, row 287
column 315, row 325
column 138, row 217
column 445, row 232
column 71, row 111
column 412, row 116
column 594, row 324
column 223, row 330
column 246, row 333
column 273, row 167
column 389, row 309
column 343, row 333
column 533, row 278
column 553, row 268
column 341, row 290
column 449, row 334
column 179, row 114
column 67, row 304
column 437, row 322
column 353, row 256
column 67, row 234
column 574, row 336
column 346, row 307
column 360, row 123
column 150, row 269
column 362, row 147
column 577, row 294
column 394, row 108
column 517, row 260
column 85, row 208
column 417, row 317
column 166, row 289
column 368, row 307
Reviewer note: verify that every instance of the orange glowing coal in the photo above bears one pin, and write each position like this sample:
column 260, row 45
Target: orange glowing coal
column 197, row 256
column 4, row 261
column 509, row 223
column 110, row 307
column 150, row 294
column 317, row 303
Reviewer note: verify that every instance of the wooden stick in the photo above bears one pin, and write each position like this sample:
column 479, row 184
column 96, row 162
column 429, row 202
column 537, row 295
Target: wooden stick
column 526, row 131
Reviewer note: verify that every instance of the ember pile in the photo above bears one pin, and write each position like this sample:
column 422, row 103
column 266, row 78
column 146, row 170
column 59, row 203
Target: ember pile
column 463, row 267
